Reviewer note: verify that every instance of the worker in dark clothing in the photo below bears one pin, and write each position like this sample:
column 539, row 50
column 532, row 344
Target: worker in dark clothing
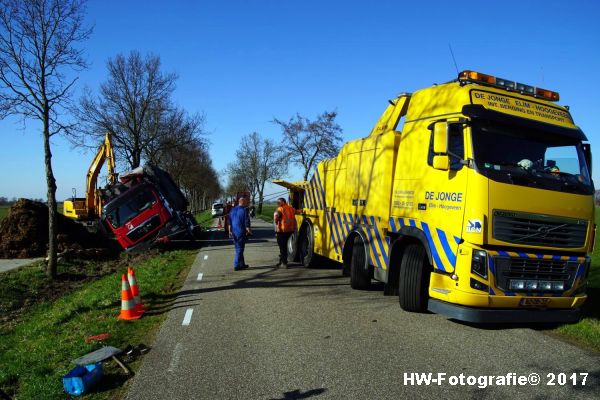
column 285, row 225
column 239, row 230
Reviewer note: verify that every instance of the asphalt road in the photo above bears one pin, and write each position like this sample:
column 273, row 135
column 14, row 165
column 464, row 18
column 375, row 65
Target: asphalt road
column 267, row 333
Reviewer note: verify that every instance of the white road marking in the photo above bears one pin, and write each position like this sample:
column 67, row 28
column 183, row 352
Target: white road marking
column 176, row 356
column 206, row 256
column 188, row 317
column 200, row 275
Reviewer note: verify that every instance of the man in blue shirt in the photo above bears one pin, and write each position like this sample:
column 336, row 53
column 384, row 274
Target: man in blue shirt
column 239, row 230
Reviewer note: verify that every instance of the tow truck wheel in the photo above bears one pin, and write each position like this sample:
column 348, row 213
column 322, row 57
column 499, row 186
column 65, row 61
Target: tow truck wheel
column 414, row 279
column 359, row 267
column 307, row 246
column 292, row 247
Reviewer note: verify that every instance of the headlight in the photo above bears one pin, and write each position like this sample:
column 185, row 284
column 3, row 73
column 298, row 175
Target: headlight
column 517, row 284
column 479, row 263
column 531, row 285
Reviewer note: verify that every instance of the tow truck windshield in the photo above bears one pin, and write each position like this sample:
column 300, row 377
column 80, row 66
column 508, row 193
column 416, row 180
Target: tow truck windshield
column 519, row 156
column 130, row 207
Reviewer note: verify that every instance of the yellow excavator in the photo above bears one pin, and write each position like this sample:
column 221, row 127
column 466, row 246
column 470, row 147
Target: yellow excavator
column 89, row 209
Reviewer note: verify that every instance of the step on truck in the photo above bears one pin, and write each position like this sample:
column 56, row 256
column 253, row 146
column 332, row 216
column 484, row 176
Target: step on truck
column 472, row 199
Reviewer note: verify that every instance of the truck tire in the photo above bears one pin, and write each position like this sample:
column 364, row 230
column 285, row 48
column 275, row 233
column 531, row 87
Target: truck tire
column 292, row 247
column 414, row 274
column 307, row 246
column 360, row 278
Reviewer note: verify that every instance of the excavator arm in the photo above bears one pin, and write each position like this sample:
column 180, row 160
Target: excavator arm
column 91, row 206
column 105, row 154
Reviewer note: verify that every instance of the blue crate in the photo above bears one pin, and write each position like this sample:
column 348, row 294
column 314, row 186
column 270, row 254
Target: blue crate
column 80, row 379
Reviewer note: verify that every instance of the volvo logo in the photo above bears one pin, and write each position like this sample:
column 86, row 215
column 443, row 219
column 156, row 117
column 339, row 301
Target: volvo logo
column 543, row 231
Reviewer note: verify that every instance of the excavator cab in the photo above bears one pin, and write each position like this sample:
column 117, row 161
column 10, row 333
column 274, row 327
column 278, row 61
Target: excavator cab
column 75, row 207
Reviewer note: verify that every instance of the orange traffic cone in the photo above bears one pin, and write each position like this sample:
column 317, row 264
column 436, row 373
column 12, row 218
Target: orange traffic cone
column 128, row 311
column 135, row 291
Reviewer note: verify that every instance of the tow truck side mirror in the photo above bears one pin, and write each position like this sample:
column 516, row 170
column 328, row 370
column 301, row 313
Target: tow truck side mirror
column 440, row 138
column 441, row 160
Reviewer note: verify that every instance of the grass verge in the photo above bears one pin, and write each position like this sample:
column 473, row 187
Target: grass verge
column 267, row 212
column 204, row 219
column 36, row 352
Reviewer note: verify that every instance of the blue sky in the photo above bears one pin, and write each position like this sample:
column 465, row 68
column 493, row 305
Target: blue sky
column 241, row 63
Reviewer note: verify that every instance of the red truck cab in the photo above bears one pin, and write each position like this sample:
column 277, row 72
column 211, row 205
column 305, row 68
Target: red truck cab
column 136, row 216
column 149, row 209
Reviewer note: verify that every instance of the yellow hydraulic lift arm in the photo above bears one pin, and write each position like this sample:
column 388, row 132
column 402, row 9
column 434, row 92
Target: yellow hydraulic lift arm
column 392, row 114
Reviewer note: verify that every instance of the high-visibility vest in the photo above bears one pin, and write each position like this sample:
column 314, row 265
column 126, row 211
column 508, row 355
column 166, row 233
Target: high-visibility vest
column 287, row 219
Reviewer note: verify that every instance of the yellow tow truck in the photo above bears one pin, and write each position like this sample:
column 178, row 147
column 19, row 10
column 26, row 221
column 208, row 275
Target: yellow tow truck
column 471, row 199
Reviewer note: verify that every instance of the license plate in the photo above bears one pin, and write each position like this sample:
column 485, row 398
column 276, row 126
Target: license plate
column 532, row 301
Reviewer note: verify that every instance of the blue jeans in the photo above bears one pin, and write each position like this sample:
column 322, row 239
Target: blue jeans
column 239, row 243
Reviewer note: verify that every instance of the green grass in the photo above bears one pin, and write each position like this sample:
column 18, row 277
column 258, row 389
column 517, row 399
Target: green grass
column 587, row 331
column 267, row 212
column 36, row 352
column 204, row 219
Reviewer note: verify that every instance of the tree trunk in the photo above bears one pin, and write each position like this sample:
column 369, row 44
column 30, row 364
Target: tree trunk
column 260, row 199
column 137, row 157
column 51, row 269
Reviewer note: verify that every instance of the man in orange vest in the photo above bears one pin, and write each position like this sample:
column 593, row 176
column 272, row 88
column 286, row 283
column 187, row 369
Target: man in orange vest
column 285, row 226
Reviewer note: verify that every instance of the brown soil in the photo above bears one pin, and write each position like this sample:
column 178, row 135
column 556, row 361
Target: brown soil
column 24, row 234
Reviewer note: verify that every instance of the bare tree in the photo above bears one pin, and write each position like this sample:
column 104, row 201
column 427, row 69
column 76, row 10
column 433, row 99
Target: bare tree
column 237, row 183
column 258, row 161
column 38, row 40
column 180, row 133
column 309, row 142
column 240, row 180
column 191, row 168
column 134, row 104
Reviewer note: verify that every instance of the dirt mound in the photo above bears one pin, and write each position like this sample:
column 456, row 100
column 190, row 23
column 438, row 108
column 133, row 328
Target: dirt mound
column 24, row 233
